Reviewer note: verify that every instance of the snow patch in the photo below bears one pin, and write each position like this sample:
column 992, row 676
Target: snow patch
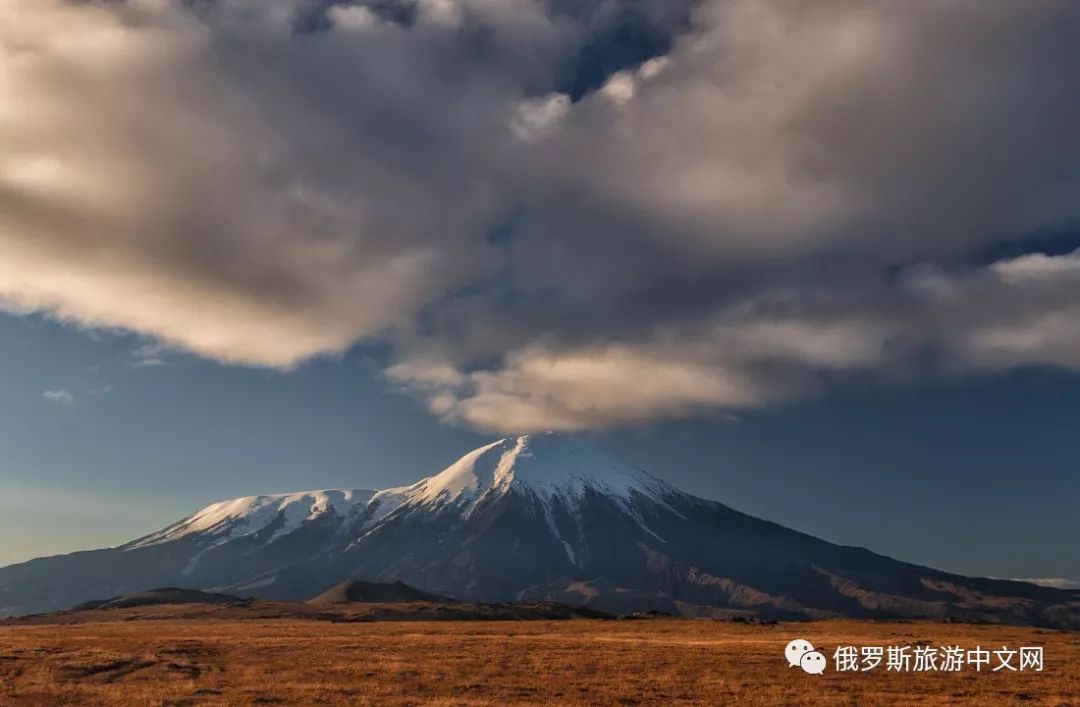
column 240, row 517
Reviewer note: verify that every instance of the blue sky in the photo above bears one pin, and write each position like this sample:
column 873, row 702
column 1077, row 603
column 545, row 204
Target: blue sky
column 973, row 476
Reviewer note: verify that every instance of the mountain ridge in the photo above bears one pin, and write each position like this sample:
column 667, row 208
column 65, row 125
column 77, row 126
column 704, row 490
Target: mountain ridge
column 531, row 518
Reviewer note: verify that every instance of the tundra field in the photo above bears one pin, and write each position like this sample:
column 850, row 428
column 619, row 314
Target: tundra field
column 578, row 662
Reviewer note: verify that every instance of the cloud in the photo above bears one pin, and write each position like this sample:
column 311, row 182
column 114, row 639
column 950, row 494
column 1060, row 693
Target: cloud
column 775, row 347
column 60, row 397
column 149, row 356
column 156, row 181
column 736, row 361
column 557, row 215
column 1055, row 582
column 537, row 117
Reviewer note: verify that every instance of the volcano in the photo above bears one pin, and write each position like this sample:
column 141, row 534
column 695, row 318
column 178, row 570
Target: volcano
column 544, row 517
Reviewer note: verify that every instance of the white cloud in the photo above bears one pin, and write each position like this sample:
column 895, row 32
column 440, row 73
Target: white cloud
column 352, row 17
column 537, row 117
column 1055, row 582
column 736, row 363
column 150, row 355
column 60, row 397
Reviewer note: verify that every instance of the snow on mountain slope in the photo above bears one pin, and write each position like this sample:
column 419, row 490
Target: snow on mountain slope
column 553, row 473
column 239, row 517
column 548, row 466
column 550, row 469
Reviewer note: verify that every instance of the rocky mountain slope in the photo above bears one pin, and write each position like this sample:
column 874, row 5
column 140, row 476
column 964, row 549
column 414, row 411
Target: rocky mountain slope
column 532, row 518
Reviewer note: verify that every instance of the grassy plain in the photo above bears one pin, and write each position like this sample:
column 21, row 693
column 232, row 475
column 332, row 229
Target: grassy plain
column 577, row 662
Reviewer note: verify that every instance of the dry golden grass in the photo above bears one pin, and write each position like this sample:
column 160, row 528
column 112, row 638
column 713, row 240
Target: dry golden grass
column 669, row 662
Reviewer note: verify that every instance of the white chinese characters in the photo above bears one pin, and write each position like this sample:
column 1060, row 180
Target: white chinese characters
column 947, row 659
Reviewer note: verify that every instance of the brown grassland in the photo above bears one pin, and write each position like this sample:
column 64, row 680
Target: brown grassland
column 579, row 662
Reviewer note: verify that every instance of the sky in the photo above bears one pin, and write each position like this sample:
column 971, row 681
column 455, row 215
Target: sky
column 975, row 476
column 818, row 261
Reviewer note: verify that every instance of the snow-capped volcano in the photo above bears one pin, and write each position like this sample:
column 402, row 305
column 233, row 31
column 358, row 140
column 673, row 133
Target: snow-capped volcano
column 537, row 517
column 553, row 474
column 551, row 471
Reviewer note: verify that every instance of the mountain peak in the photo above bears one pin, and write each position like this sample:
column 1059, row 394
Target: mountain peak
column 547, row 464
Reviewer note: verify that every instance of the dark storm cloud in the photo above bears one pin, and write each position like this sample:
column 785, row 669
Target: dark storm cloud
column 559, row 215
